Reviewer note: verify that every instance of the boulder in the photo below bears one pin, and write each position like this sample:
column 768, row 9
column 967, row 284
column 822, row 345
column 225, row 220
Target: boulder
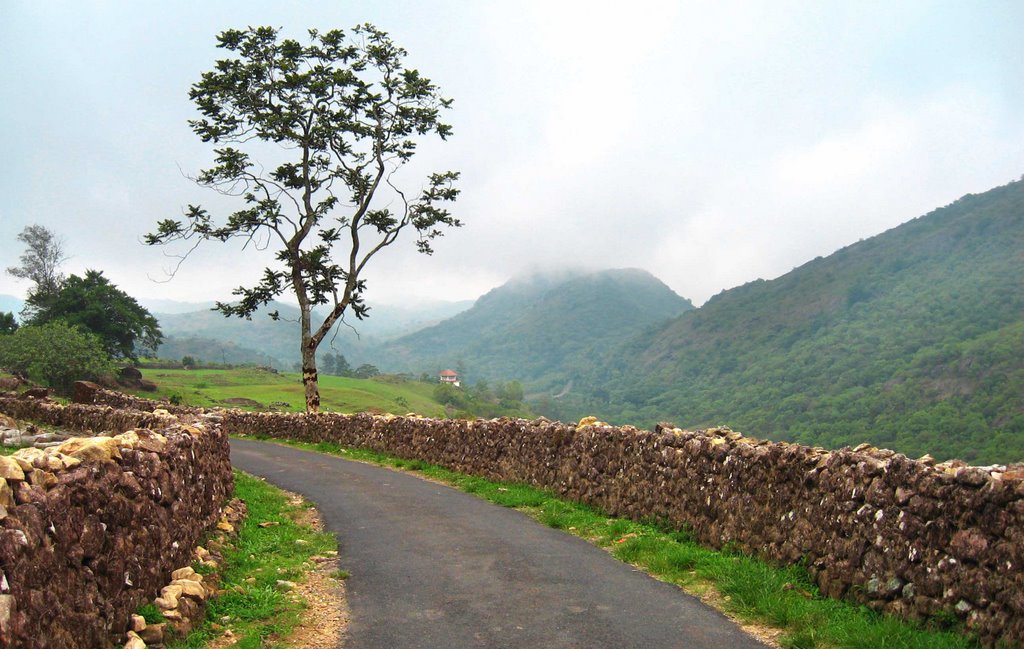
column 92, row 448
column 10, row 469
column 129, row 373
column 84, row 391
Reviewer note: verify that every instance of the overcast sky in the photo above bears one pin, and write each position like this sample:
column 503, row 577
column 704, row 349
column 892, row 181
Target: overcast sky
column 709, row 143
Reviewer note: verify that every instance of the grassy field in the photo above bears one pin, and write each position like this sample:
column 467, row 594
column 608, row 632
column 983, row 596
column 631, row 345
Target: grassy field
column 208, row 388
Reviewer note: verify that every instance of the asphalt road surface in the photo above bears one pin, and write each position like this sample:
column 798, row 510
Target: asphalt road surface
column 433, row 567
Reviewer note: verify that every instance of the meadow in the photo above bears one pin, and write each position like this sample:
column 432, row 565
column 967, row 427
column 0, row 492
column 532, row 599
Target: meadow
column 219, row 387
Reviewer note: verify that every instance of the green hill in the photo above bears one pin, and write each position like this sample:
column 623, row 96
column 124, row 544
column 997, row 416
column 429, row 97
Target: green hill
column 539, row 330
column 214, row 351
column 913, row 340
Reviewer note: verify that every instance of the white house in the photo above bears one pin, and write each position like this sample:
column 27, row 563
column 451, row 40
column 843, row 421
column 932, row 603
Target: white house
column 449, row 376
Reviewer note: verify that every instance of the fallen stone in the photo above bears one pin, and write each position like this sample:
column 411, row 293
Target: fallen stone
column 6, row 495
column 138, row 622
column 92, row 448
column 44, row 479
column 134, row 641
column 153, row 634
column 173, row 615
column 10, row 469
column 166, row 603
column 190, row 588
column 84, row 392
column 171, row 591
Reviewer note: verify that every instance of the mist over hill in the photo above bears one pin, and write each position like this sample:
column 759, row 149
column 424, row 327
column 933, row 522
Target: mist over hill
column 206, row 334
column 913, row 340
column 538, row 329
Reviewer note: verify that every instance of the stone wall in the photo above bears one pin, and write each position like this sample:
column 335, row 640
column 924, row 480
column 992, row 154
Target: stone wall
column 91, row 529
column 908, row 537
column 86, row 392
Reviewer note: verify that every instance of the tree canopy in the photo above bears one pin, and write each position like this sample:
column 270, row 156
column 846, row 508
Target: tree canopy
column 345, row 115
column 8, row 324
column 97, row 306
column 40, row 263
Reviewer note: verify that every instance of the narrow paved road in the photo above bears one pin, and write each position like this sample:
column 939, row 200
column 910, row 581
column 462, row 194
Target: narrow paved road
column 433, row 567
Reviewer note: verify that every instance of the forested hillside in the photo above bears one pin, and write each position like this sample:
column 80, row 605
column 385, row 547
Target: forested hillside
column 541, row 329
column 913, row 340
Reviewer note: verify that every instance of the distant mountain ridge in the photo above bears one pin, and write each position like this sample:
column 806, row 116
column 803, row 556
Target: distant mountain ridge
column 913, row 339
column 205, row 332
column 537, row 328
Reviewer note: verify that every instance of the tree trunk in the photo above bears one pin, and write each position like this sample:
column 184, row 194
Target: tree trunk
column 309, row 376
column 309, row 379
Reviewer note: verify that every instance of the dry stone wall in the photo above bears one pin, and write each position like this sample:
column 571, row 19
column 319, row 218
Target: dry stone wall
column 908, row 537
column 91, row 529
column 86, row 392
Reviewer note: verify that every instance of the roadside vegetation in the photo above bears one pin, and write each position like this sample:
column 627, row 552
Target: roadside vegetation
column 748, row 589
column 274, row 549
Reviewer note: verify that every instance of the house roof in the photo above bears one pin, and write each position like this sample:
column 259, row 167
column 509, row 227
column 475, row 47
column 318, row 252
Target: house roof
column 448, row 373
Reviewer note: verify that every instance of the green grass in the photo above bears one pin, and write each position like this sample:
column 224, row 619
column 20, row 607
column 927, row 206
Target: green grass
column 151, row 613
column 742, row 586
column 208, row 388
column 257, row 611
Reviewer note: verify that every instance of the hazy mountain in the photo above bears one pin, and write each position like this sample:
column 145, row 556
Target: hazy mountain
column 215, row 351
column 277, row 342
column 538, row 329
column 173, row 306
column 913, row 340
column 388, row 321
column 14, row 305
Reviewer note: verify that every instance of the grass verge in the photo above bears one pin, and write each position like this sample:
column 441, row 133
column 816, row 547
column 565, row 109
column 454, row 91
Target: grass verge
column 744, row 587
column 259, row 611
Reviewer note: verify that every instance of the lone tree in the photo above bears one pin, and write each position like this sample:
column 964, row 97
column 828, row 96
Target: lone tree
column 40, row 263
column 344, row 114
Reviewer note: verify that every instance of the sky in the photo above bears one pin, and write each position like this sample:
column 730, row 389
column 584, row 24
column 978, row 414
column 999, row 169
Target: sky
column 710, row 143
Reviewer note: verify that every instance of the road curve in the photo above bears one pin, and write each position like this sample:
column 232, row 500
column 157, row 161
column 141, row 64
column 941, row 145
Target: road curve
column 433, row 567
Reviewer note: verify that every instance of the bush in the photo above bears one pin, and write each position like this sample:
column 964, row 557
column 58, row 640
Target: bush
column 55, row 353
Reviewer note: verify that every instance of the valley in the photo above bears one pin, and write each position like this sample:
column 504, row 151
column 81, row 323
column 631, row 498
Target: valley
column 911, row 340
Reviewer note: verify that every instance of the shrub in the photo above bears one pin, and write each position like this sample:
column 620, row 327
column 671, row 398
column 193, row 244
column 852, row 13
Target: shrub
column 55, row 353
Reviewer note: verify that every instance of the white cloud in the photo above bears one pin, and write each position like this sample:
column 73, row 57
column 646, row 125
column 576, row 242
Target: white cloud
column 900, row 162
column 711, row 143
